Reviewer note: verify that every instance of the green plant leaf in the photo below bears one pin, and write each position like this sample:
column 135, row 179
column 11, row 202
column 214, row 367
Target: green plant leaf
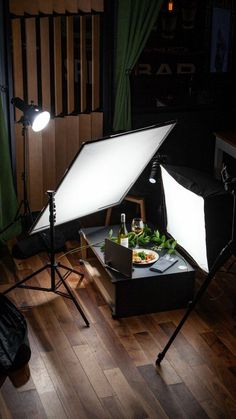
column 155, row 240
column 174, row 244
column 132, row 243
column 156, row 234
column 163, row 238
column 131, row 235
column 159, row 241
column 147, row 230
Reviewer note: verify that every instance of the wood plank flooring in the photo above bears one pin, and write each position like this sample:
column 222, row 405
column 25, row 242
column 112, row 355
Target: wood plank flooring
column 108, row 370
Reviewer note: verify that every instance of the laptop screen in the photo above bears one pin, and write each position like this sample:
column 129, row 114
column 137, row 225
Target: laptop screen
column 118, row 257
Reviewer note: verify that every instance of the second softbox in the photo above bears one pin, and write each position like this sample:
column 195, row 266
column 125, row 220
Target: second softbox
column 198, row 212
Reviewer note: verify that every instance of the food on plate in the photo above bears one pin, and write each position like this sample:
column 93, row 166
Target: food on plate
column 143, row 256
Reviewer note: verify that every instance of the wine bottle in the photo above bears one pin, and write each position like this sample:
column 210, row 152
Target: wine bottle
column 123, row 233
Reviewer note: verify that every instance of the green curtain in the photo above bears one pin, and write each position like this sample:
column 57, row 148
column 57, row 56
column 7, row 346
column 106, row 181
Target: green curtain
column 8, row 201
column 135, row 20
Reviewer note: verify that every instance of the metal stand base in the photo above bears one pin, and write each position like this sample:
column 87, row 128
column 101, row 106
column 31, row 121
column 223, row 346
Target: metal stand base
column 54, row 267
column 54, row 286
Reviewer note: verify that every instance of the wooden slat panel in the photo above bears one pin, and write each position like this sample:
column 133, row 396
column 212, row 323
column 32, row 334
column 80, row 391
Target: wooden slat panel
column 70, row 64
column 45, row 6
column 96, row 125
column 84, row 128
column 83, row 64
column 17, row 62
column 35, row 170
column 49, row 166
column 73, row 143
column 31, row 63
column 17, row 7
column 59, row 6
column 34, row 139
column 97, row 5
column 57, row 65
column 61, row 148
column 84, row 5
column 32, row 7
column 95, row 62
column 71, row 6
column 47, row 162
column 45, row 64
column 19, row 161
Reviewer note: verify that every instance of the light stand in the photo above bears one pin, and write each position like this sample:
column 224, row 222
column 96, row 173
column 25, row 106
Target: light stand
column 24, row 176
column 53, row 266
column 38, row 119
column 226, row 252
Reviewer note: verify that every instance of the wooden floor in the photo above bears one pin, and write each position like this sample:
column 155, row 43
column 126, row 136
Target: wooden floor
column 108, row 370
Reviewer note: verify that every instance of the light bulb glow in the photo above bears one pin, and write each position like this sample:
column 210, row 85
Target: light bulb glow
column 40, row 121
column 170, row 6
column 152, row 180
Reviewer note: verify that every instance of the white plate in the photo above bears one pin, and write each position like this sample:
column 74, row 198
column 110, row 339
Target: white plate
column 147, row 251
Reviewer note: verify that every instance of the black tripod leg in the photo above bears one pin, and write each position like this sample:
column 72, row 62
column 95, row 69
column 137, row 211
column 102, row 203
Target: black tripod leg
column 71, row 270
column 219, row 262
column 22, row 281
column 72, row 297
column 192, row 304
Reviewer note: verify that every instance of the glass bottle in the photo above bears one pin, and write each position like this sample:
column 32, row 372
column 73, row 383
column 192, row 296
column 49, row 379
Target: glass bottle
column 123, row 233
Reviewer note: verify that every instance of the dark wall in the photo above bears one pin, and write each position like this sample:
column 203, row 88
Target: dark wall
column 191, row 144
column 192, row 141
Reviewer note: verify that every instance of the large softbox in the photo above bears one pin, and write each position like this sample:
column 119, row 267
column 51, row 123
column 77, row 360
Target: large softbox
column 198, row 213
column 102, row 173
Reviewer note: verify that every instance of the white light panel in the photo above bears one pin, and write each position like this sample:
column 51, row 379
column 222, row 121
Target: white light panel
column 102, row 173
column 185, row 219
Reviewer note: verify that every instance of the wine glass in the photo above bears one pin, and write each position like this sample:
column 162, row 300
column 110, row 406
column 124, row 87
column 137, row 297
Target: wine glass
column 137, row 226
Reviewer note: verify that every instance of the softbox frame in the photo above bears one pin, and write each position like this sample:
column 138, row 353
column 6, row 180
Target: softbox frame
column 102, row 173
column 212, row 212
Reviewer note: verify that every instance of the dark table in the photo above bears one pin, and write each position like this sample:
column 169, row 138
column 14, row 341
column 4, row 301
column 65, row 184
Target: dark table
column 146, row 291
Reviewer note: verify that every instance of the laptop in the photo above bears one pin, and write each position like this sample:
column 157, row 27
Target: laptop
column 118, row 258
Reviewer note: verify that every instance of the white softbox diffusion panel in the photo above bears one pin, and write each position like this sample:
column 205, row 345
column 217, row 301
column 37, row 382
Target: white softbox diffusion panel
column 198, row 211
column 102, row 173
column 185, row 218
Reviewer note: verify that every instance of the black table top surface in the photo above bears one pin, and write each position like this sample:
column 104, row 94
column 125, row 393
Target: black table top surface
column 95, row 237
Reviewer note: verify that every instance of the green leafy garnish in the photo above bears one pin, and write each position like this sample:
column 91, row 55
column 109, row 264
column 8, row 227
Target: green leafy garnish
column 159, row 241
